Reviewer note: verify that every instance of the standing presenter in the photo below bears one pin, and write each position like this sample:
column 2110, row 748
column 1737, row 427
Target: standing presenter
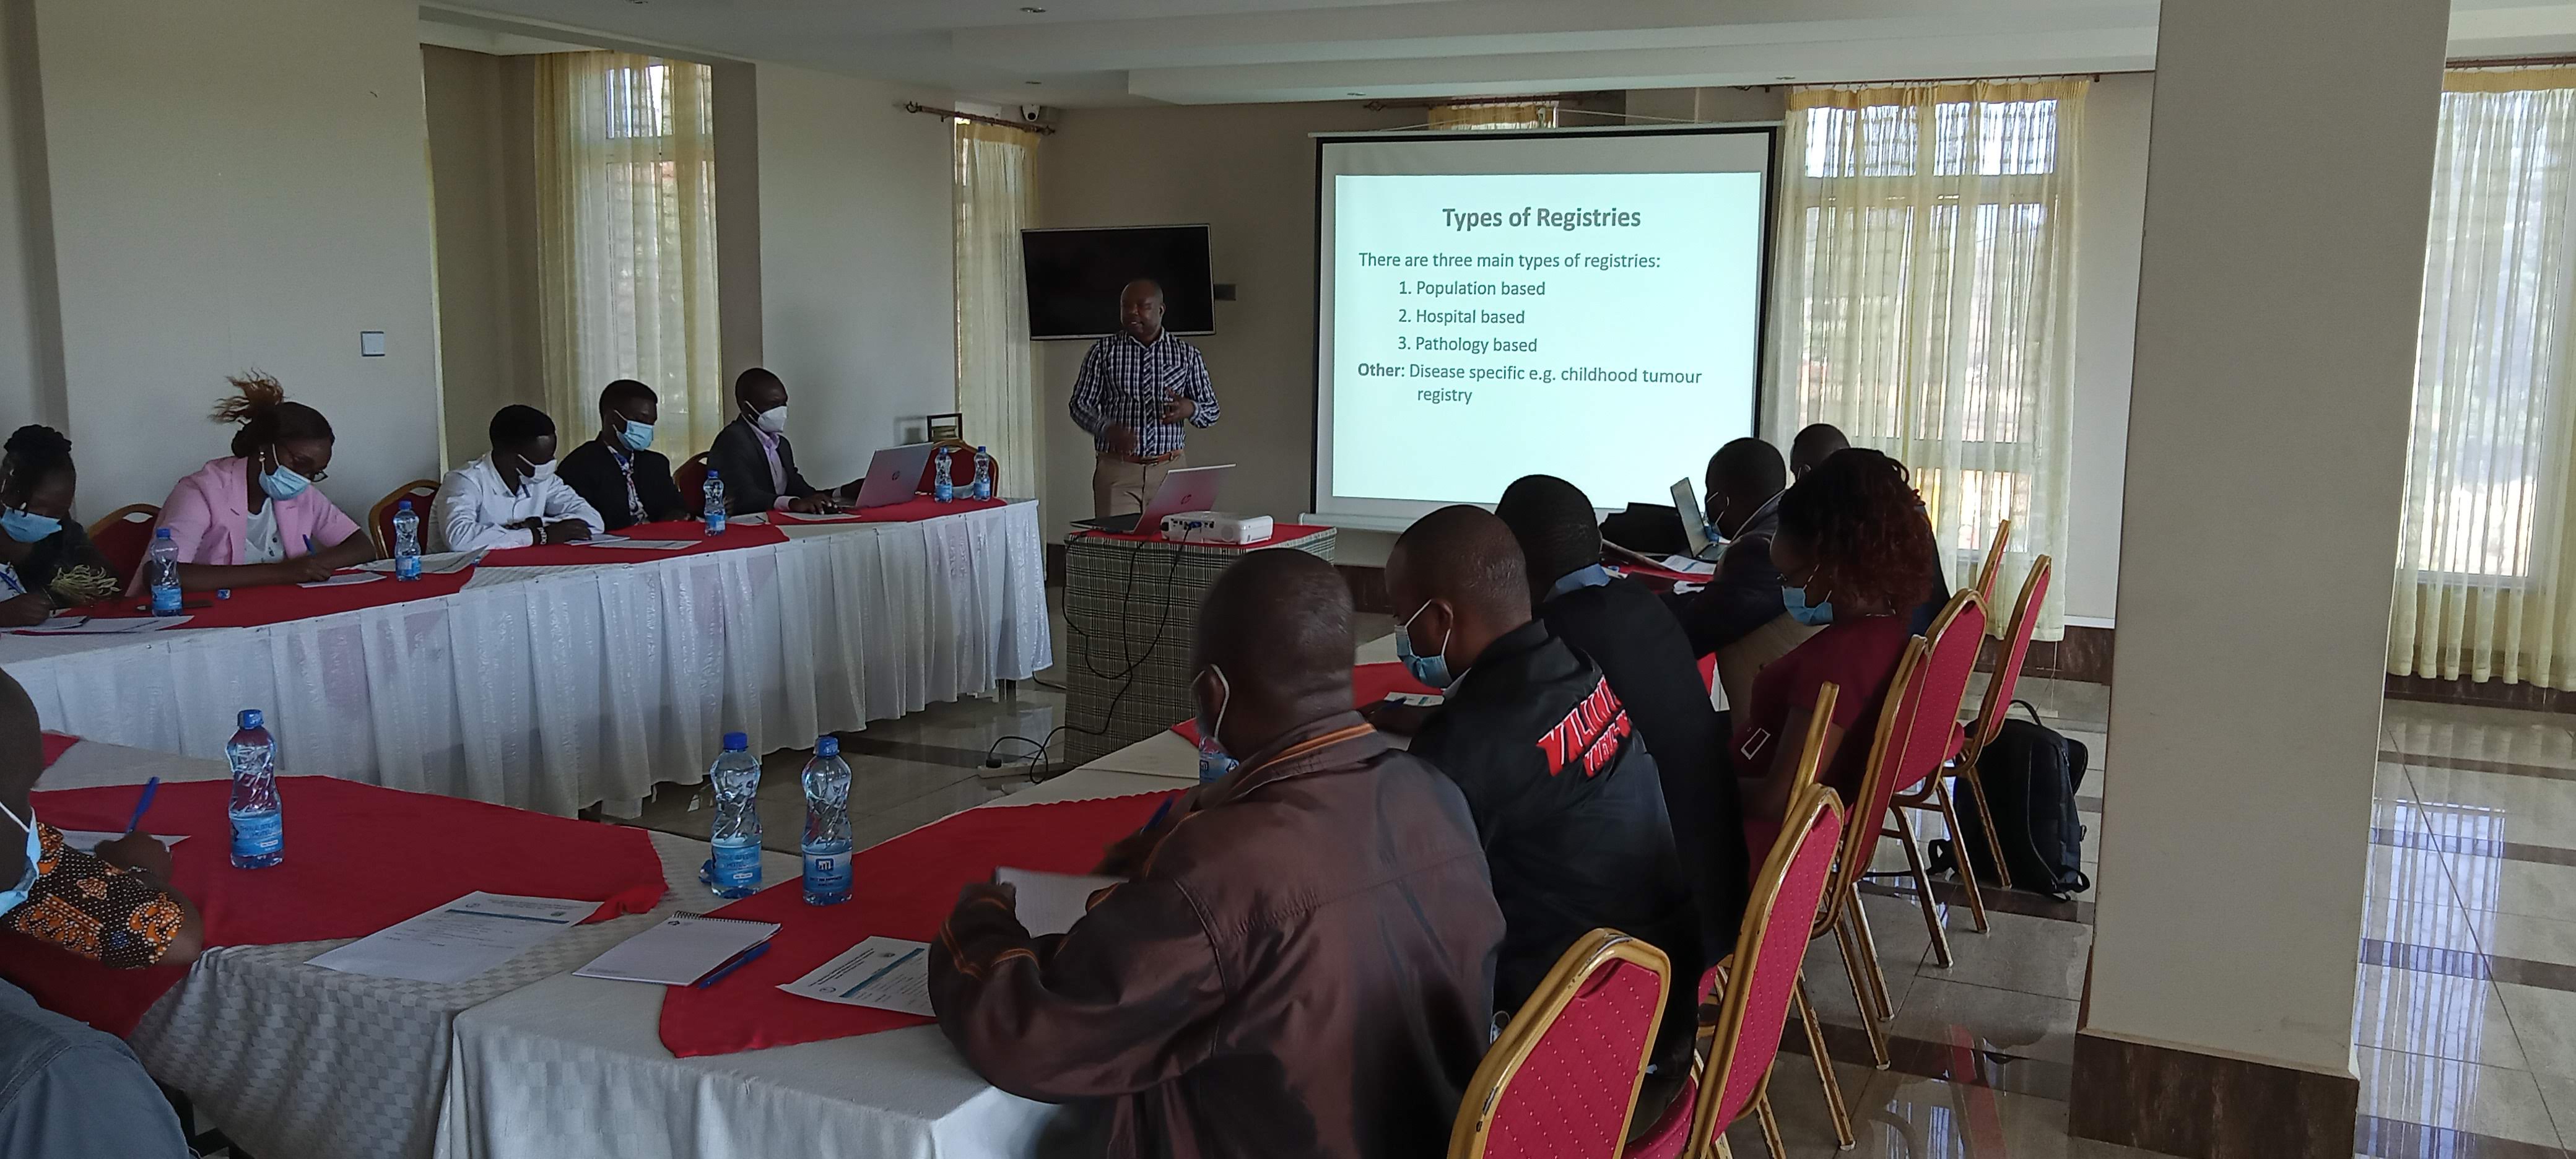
column 1136, row 389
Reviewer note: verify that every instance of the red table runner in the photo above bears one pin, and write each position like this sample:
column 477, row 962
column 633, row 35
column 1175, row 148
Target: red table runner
column 1279, row 533
column 279, row 603
column 1370, row 683
column 912, row 510
column 901, row 889
column 56, row 744
column 735, row 538
column 358, row 858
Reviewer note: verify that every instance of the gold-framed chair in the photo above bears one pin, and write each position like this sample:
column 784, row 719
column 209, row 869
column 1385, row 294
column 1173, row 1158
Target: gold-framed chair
column 1929, row 735
column 1988, row 724
column 1562, row 1079
column 380, row 518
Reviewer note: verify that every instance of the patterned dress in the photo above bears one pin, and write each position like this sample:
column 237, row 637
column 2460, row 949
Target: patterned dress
column 81, row 903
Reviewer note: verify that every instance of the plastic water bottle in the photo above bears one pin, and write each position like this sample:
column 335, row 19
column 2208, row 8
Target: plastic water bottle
column 735, row 869
column 983, row 473
column 827, row 825
column 941, row 489
column 1213, row 761
column 259, row 824
column 406, row 542
column 714, row 492
column 161, row 573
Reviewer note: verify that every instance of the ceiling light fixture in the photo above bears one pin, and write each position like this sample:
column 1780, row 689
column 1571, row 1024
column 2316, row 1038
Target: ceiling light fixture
column 1788, row 78
column 1034, row 11
column 1359, row 94
column 1032, row 82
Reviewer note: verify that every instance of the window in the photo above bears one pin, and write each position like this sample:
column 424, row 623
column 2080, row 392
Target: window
column 1927, row 299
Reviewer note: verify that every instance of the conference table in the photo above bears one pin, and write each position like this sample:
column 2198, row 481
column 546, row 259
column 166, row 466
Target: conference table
column 294, row 1060
column 561, row 683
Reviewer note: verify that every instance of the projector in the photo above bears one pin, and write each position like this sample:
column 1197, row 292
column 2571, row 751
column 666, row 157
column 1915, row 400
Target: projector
column 1216, row 527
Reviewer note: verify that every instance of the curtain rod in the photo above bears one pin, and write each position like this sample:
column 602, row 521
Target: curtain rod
column 978, row 118
column 1951, row 80
column 2510, row 61
column 1434, row 102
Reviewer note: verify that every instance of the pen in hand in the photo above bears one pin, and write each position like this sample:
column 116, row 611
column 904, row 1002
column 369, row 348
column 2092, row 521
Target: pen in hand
column 150, row 789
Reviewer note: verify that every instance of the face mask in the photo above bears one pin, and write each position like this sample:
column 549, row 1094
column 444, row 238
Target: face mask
column 282, row 482
column 16, row 895
column 773, row 420
column 1431, row 670
column 1817, row 616
column 536, row 470
column 26, row 526
column 636, row 436
column 1213, row 761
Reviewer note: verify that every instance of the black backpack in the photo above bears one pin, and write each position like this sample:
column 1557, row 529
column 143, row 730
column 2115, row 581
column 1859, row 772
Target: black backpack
column 2031, row 774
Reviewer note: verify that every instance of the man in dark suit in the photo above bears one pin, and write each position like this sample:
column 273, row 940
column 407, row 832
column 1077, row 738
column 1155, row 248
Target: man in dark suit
column 617, row 473
column 755, row 460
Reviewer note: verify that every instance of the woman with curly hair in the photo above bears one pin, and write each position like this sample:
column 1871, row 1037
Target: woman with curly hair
column 254, row 518
column 46, row 560
column 1852, row 537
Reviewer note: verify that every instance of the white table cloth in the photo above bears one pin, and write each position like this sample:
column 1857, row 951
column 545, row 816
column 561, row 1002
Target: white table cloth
column 574, row 1068
column 553, row 688
column 297, row 1062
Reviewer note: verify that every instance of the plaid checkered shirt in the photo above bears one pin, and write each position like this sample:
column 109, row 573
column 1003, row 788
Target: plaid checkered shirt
column 1124, row 382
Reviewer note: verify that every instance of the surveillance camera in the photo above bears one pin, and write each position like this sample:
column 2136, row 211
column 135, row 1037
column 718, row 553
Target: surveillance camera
column 1033, row 113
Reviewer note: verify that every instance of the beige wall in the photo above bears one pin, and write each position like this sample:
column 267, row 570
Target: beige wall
column 239, row 185
column 1249, row 172
column 481, row 149
column 30, row 334
column 857, row 275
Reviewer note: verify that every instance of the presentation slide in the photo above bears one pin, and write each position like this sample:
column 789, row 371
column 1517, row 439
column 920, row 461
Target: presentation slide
column 1602, row 326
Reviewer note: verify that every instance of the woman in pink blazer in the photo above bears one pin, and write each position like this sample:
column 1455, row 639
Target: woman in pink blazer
column 255, row 518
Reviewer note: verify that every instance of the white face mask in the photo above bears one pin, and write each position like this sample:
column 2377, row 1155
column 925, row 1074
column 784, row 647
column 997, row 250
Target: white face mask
column 16, row 895
column 544, row 470
column 773, row 420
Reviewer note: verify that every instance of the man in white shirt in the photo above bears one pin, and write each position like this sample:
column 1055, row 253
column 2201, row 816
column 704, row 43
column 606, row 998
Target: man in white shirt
column 511, row 497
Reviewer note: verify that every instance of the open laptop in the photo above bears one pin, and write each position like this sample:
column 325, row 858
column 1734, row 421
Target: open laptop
column 894, row 474
column 1694, row 518
column 1187, row 489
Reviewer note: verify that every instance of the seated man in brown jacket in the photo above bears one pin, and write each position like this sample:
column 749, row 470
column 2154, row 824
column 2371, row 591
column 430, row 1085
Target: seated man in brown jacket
column 1303, row 960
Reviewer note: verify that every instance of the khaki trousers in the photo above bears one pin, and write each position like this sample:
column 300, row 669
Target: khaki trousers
column 1119, row 487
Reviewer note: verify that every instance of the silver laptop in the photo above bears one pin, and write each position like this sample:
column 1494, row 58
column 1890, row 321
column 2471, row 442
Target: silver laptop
column 1694, row 518
column 1187, row 489
column 894, row 474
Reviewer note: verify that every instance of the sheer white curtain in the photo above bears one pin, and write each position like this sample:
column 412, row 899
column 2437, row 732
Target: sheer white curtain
column 1925, row 299
column 2483, row 589
column 995, row 196
column 626, row 234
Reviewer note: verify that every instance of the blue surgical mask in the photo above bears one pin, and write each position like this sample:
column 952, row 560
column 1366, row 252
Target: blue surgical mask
column 26, row 526
column 16, row 895
column 637, row 436
column 1213, row 759
column 1815, row 616
column 1431, row 670
column 282, row 482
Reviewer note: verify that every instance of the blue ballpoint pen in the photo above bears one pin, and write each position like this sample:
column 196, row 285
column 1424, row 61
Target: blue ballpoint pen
column 738, row 963
column 150, row 788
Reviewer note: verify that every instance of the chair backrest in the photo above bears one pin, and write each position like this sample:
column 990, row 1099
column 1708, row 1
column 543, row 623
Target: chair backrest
column 1562, row 1080
column 380, row 518
column 1914, row 728
column 1761, row 977
column 2000, row 687
column 691, row 479
column 1994, row 560
column 123, row 536
column 961, row 466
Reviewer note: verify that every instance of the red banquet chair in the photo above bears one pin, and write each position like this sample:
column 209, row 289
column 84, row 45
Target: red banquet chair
column 1562, row 1080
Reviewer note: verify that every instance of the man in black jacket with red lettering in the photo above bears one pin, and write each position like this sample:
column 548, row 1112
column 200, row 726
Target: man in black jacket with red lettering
column 1565, row 796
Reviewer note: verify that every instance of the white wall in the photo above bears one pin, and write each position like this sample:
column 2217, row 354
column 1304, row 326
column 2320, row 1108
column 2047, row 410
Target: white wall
column 857, row 270
column 2110, row 206
column 239, row 185
column 30, row 346
column 482, row 163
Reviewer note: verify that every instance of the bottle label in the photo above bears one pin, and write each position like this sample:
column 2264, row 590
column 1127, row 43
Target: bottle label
column 259, row 834
column 827, row 874
column 983, row 487
column 737, row 867
column 943, row 491
column 715, row 519
column 165, row 599
column 407, row 566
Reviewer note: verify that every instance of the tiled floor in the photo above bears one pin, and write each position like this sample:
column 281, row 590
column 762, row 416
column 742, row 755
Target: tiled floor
column 2466, row 1019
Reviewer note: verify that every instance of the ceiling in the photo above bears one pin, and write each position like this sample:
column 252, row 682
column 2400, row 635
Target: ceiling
column 1082, row 53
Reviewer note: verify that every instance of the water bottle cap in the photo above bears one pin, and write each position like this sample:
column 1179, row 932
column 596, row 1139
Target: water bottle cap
column 160, row 533
column 735, row 742
column 223, row 593
column 712, row 473
column 405, row 505
column 979, row 448
column 251, row 718
column 829, row 746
